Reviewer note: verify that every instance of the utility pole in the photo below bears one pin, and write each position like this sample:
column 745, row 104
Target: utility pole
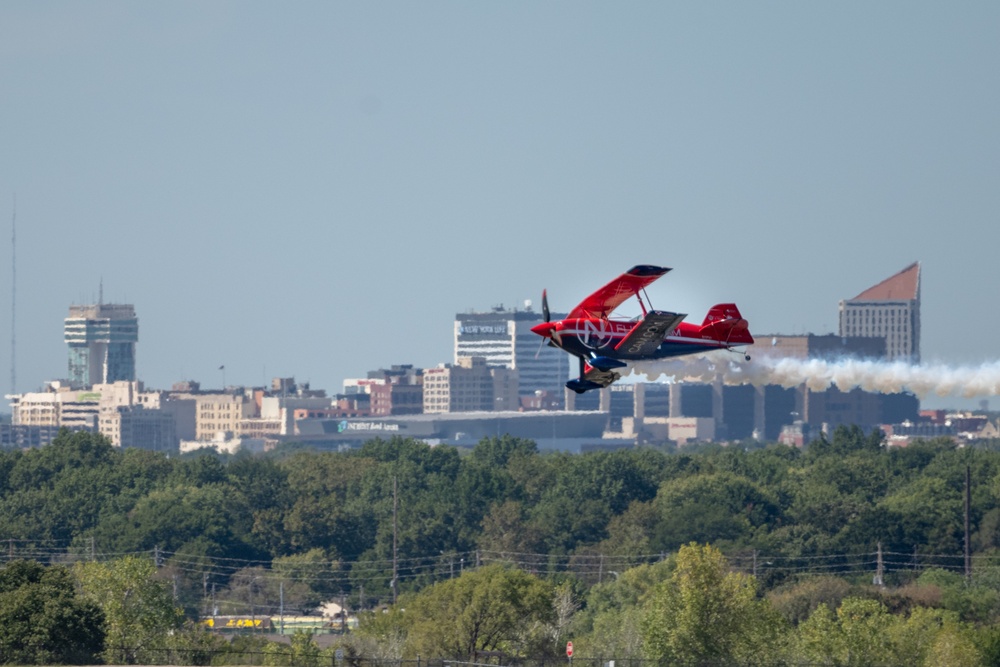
column 968, row 503
column 879, row 567
column 395, row 537
column 253, row 607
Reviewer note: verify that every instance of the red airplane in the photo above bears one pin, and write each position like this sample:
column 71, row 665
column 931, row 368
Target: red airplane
column 606, row 346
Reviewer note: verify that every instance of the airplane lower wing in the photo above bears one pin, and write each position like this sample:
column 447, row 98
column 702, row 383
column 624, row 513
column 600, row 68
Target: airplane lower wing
column 592, row 378
column 643, row 340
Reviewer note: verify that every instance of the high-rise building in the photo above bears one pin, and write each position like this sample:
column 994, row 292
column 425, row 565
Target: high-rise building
column 889, row 310
column 505, row 340
column 101, row 341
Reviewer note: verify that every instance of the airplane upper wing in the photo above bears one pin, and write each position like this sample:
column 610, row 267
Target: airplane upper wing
column 602, row 302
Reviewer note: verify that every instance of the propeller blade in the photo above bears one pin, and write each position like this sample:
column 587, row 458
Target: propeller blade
column 582, row 367
column 545, row 306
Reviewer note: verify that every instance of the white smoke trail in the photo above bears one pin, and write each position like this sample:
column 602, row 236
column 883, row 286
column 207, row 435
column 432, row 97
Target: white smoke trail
column 844, row 374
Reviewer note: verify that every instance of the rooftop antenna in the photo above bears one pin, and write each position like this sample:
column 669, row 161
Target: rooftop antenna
column 100, row 293
column 13, row 299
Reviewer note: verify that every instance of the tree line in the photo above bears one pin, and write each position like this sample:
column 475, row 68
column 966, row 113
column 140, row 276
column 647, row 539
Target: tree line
column 225, row 534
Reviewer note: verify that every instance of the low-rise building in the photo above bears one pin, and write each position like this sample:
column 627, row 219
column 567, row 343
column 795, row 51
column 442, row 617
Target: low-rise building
column 136, row 426
column 220, row 413
column 469, row 386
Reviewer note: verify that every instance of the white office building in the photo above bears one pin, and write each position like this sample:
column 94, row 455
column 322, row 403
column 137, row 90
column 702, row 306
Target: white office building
column 505, row 340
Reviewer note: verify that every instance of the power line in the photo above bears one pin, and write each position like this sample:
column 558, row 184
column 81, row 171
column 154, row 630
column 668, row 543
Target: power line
column 349, row 574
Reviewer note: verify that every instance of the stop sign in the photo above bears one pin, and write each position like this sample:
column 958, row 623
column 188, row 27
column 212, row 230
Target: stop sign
column 569, row 649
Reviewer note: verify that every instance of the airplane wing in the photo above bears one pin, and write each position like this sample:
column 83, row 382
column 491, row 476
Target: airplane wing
column 643, row 340
column 602, row 302
column 592, row 378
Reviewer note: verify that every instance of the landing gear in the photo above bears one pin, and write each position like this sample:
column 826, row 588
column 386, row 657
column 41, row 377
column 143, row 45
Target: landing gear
column 747, row 357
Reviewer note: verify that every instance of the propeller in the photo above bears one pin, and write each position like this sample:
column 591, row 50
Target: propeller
column 547, row 316
column 540, row 346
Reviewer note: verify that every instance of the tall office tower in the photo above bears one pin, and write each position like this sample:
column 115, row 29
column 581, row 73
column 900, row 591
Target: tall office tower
column 101, row 341
column 504, row 338
column 889, row 310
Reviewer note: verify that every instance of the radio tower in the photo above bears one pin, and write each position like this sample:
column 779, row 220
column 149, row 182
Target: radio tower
column 13, row 299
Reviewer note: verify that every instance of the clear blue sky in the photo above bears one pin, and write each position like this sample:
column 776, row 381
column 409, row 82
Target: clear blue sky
column 316, row 188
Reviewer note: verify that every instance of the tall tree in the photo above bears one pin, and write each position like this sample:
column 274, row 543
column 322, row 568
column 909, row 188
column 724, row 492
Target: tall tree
column 707, row 615
column 494, row 608
column 857, row 635
column 138, row 609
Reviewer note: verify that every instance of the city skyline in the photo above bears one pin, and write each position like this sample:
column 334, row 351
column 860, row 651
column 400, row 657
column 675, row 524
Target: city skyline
column 492, row 335
column 315, row 191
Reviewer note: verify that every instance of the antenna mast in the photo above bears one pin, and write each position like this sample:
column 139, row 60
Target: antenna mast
column 13, row 299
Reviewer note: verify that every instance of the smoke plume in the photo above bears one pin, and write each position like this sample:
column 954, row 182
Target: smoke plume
column 844, row 374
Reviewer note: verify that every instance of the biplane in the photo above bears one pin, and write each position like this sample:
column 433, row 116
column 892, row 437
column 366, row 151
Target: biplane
column 606, row 346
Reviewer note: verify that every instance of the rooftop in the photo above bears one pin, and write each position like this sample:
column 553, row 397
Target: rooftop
column 904, row 286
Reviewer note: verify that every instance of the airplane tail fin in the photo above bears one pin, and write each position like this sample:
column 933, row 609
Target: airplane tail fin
column 725, row 323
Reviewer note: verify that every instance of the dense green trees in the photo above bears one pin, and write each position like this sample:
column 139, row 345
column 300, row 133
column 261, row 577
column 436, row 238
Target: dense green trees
column 238, row 531
column 42, row 619
column 845, row 494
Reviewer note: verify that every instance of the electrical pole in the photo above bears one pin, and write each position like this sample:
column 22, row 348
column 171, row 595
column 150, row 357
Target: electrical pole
column 968, row 503
column 879, row 567
column 395, row 526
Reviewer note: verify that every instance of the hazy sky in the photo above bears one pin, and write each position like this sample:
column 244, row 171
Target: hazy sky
column 314, row 189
